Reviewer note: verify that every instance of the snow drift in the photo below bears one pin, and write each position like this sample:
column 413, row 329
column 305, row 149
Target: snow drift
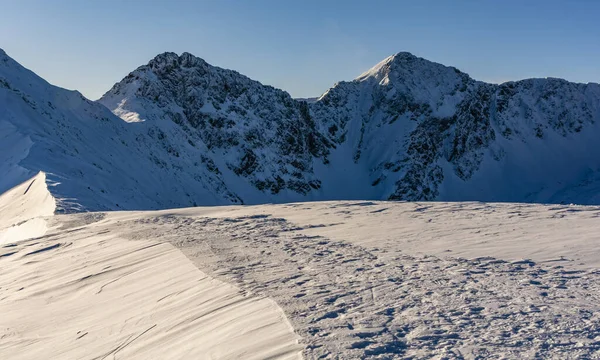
column 24, row 209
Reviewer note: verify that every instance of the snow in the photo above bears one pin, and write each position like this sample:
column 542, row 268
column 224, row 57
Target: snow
column 185, row 133
column 24, row 209
column 354, row 280
column 327, row 279
column 543, row 233
column 377, row 70
column 92, row 159
column 128, row 116
column 83, row 291
column 401, row 280
column 14, row 147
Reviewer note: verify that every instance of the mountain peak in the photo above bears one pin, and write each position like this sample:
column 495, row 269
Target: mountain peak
column 413, row 74
column 403, row 55
column 166, row 55
column 189, row 60
column 4, row 56
column 400, row 61
column 378, row 69
column 169, row 59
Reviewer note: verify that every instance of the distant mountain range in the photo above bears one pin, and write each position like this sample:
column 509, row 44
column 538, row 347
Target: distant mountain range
column 179, row 132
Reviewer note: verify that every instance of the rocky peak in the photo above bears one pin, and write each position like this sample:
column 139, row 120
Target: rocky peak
column 169, row 61
column 164, row 58
column 243, row 127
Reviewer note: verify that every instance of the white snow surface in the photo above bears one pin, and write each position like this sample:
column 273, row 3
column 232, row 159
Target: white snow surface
column 79, row 290
column 24, row 210
column 354, row 280
column 407, row 280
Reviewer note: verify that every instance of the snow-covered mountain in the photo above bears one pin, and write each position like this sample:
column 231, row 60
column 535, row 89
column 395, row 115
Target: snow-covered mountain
column 424, row 131
column 195, row 134
column 92, row 159
column 235, row 127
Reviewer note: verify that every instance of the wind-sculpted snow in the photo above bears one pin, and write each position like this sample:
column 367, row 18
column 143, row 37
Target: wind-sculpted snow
column 81, row 292
column 358, row 297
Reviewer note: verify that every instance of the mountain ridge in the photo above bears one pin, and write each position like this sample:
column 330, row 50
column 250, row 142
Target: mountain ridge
column 406, row 129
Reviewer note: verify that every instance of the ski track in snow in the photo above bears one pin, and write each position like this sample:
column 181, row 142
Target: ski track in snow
column 352, row 301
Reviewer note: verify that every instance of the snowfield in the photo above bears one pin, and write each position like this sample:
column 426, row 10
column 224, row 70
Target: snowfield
column 82, row 291
column 345, row 279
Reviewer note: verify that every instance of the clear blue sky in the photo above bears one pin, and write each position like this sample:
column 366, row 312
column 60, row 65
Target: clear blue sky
column 301, row 46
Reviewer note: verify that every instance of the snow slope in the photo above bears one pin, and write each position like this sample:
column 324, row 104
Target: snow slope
column 407, row 280
column 82, row 291
column 355, row 279
column 25, row 209
column 91, row 158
